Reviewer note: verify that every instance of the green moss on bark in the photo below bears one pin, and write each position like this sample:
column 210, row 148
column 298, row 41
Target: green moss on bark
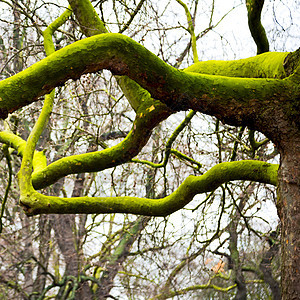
column 89, row 20
column 266, row 65
column 179, row 90
column 35, row 203
column 17, row 143
column 148, row 116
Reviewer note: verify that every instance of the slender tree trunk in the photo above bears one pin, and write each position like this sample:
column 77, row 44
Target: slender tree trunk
column 45, row 225
column 17, row 43
column 239, row 279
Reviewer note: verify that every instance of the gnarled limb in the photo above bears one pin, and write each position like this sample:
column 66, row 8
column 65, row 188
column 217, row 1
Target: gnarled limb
column 233, row 100
column 148, row 116
column 36, row 203
column 91, row 25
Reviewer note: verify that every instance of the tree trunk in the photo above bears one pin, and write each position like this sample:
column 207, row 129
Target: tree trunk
column 45, row 226
column 289, row 212
column 238, row 276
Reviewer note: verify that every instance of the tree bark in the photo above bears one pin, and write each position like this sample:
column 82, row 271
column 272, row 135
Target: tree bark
column 45, row 225
column 289, row 212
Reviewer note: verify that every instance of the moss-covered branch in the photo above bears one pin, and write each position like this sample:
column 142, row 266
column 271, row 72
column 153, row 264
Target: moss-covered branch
column 148, row 116
column 255, row 144
column 17, row 143
column 254, row 8
column 24, row 175
column 266, row 65
column 89, row 21
column 48, row 32
column 179, row 90
column 91, row 25
column 36, row 203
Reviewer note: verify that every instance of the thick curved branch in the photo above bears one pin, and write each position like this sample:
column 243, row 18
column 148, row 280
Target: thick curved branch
column 148, row 116
column 266, row 65
column 91, row 25
column 36, row 203
column 230, row 99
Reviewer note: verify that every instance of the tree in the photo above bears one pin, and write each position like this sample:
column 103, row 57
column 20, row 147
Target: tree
column 260, row 93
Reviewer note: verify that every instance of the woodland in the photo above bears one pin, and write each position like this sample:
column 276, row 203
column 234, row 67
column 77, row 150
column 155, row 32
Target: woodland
column 150, row 149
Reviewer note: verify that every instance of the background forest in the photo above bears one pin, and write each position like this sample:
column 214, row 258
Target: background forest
column 187, row 255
